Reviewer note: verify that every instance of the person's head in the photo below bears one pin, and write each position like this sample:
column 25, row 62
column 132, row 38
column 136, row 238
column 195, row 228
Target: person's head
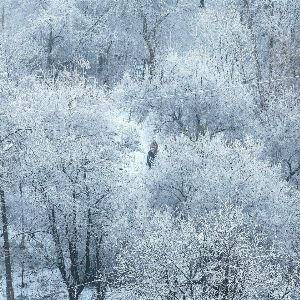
column 154, row 147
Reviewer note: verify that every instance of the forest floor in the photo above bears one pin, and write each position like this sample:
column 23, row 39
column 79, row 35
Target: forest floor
column 46, row 285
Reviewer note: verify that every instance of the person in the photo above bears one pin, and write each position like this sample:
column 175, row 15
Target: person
column 152, row 153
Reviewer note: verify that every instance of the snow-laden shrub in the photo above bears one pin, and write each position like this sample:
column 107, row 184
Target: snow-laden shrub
column 215, row 256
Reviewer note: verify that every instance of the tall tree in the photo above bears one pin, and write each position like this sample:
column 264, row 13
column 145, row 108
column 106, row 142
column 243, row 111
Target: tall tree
column 6, row 248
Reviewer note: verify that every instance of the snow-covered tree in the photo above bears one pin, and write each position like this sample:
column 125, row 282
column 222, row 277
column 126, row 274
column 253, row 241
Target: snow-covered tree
column 86, row 86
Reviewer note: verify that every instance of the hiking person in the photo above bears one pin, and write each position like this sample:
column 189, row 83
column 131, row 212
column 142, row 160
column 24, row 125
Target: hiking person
column 152, row 153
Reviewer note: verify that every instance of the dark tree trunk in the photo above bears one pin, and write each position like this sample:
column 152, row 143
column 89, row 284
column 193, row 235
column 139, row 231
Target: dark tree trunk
column 49, row 50
column 6, row 247
column 72, row 236
column 58, row 247
column 73, row 293
column 87, row 247
column 2, row 17
column 101, row 284
column 149, row 37
column 257, row 65
column 100, row 291
column 74, row 286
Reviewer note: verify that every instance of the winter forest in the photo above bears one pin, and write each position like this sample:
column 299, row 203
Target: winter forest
column 211, row 212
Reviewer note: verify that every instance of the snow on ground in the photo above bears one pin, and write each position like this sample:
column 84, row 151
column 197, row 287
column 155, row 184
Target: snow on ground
column 39, row 284
column 138, row 136
column 87, row 294
column 46, row 284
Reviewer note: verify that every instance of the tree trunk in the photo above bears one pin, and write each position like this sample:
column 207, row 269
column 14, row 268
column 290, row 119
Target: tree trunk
column 72, row 237
column 73, row 293
column 150, row 40
column 2, row 17
column 58, row 247
column 50, row 49
column 101, row 284
column 100, row 291
column 258, row 72
column 73, row 284
column 8, row 269
column 87, row 247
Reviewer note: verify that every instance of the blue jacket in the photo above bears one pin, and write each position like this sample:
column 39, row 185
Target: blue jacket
column 150, row 158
